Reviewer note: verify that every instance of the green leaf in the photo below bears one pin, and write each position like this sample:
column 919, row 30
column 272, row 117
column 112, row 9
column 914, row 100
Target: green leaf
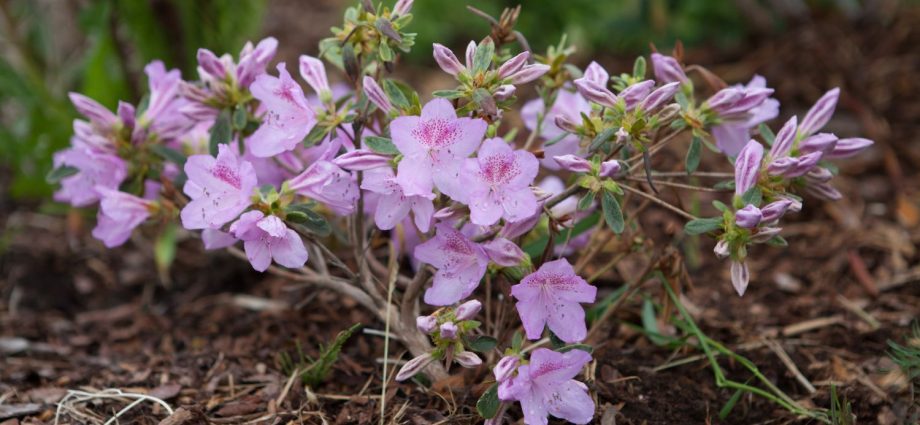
column 61, row 173
column 397, row 97
column 702, row 225
column 168, row 154
column 317, row 371
column 381, row 145
column 613, row 215
column 650, row 323
column 778, row 241
column 316, row 135
column 298, row 217
column 517, row 341
column 483, row 56
column 692, row 161
column 482, row 344
column 535, row 248
column 639, row 68
column 221, row 131
column 488, row 404
column 240, row 118
column 586, row 201
column 730, row 404
column 583, row 347
column 766, row 133
column 752, row 197
column 555, row 341
column 602, row 138
column 315, row 223
column 448, row 94
column 385, row 27
column 386, row 53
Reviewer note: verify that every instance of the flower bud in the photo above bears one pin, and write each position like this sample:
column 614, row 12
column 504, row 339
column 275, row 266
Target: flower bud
column 126, row 113
column 210, row 63
column 505, row 368
column 504, row 252
column 724, row 99
column 848, row 147
column 660, row 96
column 748, row 217
column 470, row 52
column 741, row 276
column 361, row 160
column 93, row 110
column 635, row 93
column 823, row 191
column 529, row 73
column 376, row 95
column 504, row 92
column 722, row 250
column 448, row 330
column 806, row 163
column 468, row 310
column 765, row 234
column 414, row 366
column 314, row 73
column 819, row 174
column 467, row 359
column 750, row 98
column 426, row 324
column 254, row 59
column 566, row 123
column 518, row 228
column 820, row 113
column 402, row 7
column 573, row 163
column 447, row 60
column 667, row 70
column 821, row 142
column 747, row 167
column 596, row 74
column 775, row 210
column 595, row 92
column 610, row 168
column 445, row 213
column 781, row 166
column 513, row 65
column 784, row 139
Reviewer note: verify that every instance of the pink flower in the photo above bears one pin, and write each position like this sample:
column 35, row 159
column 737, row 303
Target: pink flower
column 97, row 169
column 504, row 252
column 496, row 184
column 119, row 214
column 288, row 118
column 551, row 296
column 461, row 263
column 393, row 205
column 741, row 108
column 220, row 189
column 546, row 387
column 433, row 147
column 326, row 182
column 667, row 70
column 569, row 106
column 747, row 167
column 268, row 238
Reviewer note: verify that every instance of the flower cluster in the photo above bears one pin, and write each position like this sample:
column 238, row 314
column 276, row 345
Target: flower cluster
column 287, row 172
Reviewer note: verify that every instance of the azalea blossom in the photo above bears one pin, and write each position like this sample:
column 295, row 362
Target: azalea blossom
column 569, row 106
column 546, row 386
column 741, row 108
column 328, row 183
column 119, row 213
column 288, row 117
column 496, row 184
column 461, row 263
column 95, row 169
column 393, row 205
column 433, row 147
column 220, row 189
column 266, row 239
column 552, row 296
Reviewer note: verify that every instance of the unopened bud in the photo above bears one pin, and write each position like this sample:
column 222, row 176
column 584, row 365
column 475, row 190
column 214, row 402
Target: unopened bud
column 573, row 163
column 426, row 324
column 467, row 359
column 748, row 217
column 468, row 310
column 448, row 330
column 504, row 252
column 722, row 250
column 610, row 168
column 361, row 160
column 505, row 368
column 414, row 366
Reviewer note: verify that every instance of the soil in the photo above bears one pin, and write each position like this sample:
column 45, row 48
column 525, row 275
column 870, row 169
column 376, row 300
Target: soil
column 207, row 337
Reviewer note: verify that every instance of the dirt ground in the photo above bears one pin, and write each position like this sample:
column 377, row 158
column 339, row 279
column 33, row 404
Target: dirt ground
column 74, row 315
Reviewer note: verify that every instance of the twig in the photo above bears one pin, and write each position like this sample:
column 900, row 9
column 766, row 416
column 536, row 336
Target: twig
column 784, row 357
column 660, row 202
column 679, row 185
column 859, row 311
column 394, row 274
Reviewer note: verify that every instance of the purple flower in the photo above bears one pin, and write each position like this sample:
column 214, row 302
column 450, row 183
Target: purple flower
column 848, row 147
column 821, row 142
column 546, row 387
column 568, row 106
column 402, row 7
column 99, row 116
column 361, row 160
column 636, row 93
column 667, row 70
column 216, row 239
column 288, row 118
column 220, row 189
column 162, row 116
column 467, row 359
column 551, row 296
column 414, row 366
column 393, row 205
column 747, row 167
column 784, row 140
column 468, row 310
column 610, row 168
column 573, row 163
column 326, row 182
column 253, row 60
column 96, row 169
column 119, row 214
column 513, row 65
column 433, row 147
column 447, row 60
column 740, row 109
column 593, row 86
column 659, row 96
column 820, row 113
column 741, row 276
column 314, row 73
column 496, row 184
column 748, row 217
column 504, row 252
column 461, row 263
column 529, row 73
column 775, row 210
column 267, row 238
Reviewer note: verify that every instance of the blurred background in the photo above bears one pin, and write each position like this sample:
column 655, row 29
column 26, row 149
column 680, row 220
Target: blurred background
column 99, row 47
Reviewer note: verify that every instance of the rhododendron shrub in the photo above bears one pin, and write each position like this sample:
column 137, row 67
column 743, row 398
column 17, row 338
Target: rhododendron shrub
column 502, row 177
